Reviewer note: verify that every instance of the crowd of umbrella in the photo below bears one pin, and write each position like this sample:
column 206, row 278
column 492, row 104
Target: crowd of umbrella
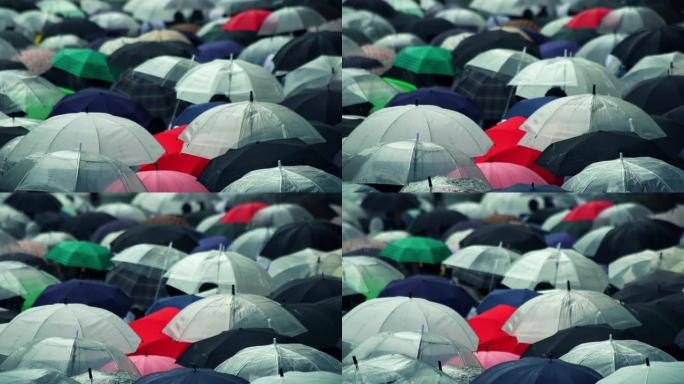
column 170, row 289
column 513, row 288
column 170, row 95
column 513, row 95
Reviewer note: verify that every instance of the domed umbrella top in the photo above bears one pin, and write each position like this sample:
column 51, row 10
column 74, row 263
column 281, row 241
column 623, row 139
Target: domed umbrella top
column 649, row 42
column 183, row 239
column 307, row 47
column 296, row 236
column 539, row 370
column 513, row 236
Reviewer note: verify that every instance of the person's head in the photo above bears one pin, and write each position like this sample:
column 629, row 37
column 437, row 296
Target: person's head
column 556, row 91
column 533, row 205
column 543, row 286
column 528, row 14
column 178, row 17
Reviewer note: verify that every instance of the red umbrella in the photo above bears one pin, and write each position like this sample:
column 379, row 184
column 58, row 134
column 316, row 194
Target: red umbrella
column 489, row 359
column 149, row 364
column 487, row 325
column 250, row 20
column 504, row 175
column 170, row 181
column 152, row 340
column 589, row 19
column 242, row 213
column 173, row 159
column 587, row 211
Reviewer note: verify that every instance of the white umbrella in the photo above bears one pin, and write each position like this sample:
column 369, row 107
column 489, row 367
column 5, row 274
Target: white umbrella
column 235, row 79
column 499, row 7
column 252, row 242
column 629, row 268
column 67, row 320
column 317, row 73
column 573, row 116
column 290, row 19
column 150, row 255
column 58, row 42
column 34, row 376
column 574, row 75
column 657, row 372
column 235, row 125
column 398, row 41
column 23, row 279
column 554, row 220
column 122, row 211
column 553, row 311
column 53, row 238
column 558, row 267
column 71, row 356
column 397, row 314
column 277, row 215
column 589, row 242
column 320, row 377
column 462, row 17
column 225, row 269
column 393, row 368
column 483, row 258
column 598, row 48
column 252, row 363
column 117, row 22
column 452, row 130
column 369, row 23
column 307, row 262
column 168, row 69
column 101, row 133
column 651, row 67
column 285, row 179
column 360, row 86
column 368, row 275
column 630, row 174
column 218, row 313
column 350, row 48
column 389, row 236
column 259, row 51
column 452, row 42
column 503, row 61
column 555, row 26
column 620, row 214
column 630, row 19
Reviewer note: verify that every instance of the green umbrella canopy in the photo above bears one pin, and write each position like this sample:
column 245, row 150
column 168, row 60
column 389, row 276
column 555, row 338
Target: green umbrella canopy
column 425, row 60
column 83, row 63
column 81, row 254
column 417, row 249
column 399, row 85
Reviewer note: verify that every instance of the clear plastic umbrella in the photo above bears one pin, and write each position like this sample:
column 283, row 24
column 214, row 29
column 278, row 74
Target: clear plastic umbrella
column 26, row 92
column 67, row 320
column 598, row 48
column 651, row 67
column 235, row 79
column 277, row 215
column 556, row 266
column 360, row 86
column 290, row 19
column 370, row 24
column 320, row 377
column 389, row 236
column 23, row 279
column 546, row 314
column 282, row 179
column 483, row 259
column 554, row 220
column 235, row 125
column 34, row 376
column 462, row 17
column 452, row 130
column 7, row 51
column 34, row 20
column 657, row 372
column 117, row 22
column 317, row 73
column 224, row 269
column 122, row 211
column 259, row 51
column 631, row 267
column 499, row 7
column 218, row 313
column 252, row 242
column 397, row 314
column 252, row 363
column 58, row 42
column 163, row 10
column 403, row 162
column 99, row 377
column 368, row 275
column 150, row 255
column 394, row 368
column 452, row 42
column 620, row 214
column 166, row 69
column 398, row 41
column 628, row 174
column 574, row 75
column 630, row 19
column 112, row 136
column 350, row 48
column 308, row 262
column 442, row 184
column 504, row 61
column 573, row 116
column 52, row 238
column 71, row 356
column 589, row 242
column 429, row 348
column 70, row 171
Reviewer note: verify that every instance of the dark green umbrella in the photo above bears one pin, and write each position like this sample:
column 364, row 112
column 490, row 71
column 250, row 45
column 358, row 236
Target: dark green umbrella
column 81, row 254
column 417, row 249
column 83, row 63
column 425, row 59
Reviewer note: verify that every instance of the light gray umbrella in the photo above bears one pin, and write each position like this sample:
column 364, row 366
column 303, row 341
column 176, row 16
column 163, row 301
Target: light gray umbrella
column 14, row 222
column 499, row 7
column 99, row 377
column 52, row 238
column 588, row 244
column 305, row 263
column 483, row 259
column 251, row 242
column 277, row 215
column 462, row 18
column 350, row 48
column 651, row 67
column 24, row 91
column 503, row 61
column 630, row 174
column 150, row 255
column 452, row 42
column 290, row 19
column 555, row 26
column 634, row 266
column 7, row 51
column 620, row 214
column 368, row 275
column 647, row 373
column 630, row 19
column 360, row 86
column 259, row 51
column 167, row 70
column 285, row 179
column 446, row 185
column 123, row 211
column 320, row 377
column 398, row 41
column 370, row 24
column 117, row 22
column 59, row 42
column 34, row 376
column 598, row 48
column 394, row 368
column 22, row 279
column 317, row 73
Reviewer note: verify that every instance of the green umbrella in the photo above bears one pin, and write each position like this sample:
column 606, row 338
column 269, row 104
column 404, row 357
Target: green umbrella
column 417, row 249
column 400, row 86
column 425, row 59
column 83, row 63
column 81, row 254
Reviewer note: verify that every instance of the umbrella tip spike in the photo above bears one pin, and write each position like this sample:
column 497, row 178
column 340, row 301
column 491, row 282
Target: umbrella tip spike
column 593, row 90
column 648, row 362
column 280, row 372
column 251, row 96
column 90, row 374
column 439, row 365
column 356, row 362
column 415, row 102
column 567, row 283
column 232, row 289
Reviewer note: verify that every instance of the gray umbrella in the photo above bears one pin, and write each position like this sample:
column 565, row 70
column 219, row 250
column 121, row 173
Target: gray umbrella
column 283, row 179
column 260, row 50
column 290, row 19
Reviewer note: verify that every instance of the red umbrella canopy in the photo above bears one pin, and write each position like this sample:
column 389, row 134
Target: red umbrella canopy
column 173, row 159
column 250, row 20
column 587, row 211
column 589, row 19
column 242, row 213
column 487, row 326
column 153, row 340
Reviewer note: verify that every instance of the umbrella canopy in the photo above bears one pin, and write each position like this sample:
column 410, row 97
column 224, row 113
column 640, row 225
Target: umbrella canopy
column 649, row 42
column 504, row 175
column 398, row 368
column 481, row 260
column 417, row 249
column 28, row 93
column 290, row 238
column 136, row 53
column 100, row 100
column 89, row 292
column 83, row 63
column 436, row 289
column 660, row 372
column 308, row 290
column 651, row 67
column 305, row 48
column 636, row 236
column 153, row 341
column 630, row 19
column 481, row 42
column 425, row 60
column 281, row 179
column 487, row 325
column 588, row 19
column 149, row 255
column 317, row 73
column 515, row 237
column 509, row 297
column 166, row 70
column 363, row 90
column 439, row 97
column 503, row 61
column 34, row 376
column 650, row 287
column 539, row 370
column 598, row 49
column 634, row 266
column 367, row 275
column 649, row 94
column 290, row 19
column 249, row 20
column 150, row 364
column 306, row 263
column 191, row 375
column 179, row 237
column 320, row 377
column 170, row 181
column 81, row 254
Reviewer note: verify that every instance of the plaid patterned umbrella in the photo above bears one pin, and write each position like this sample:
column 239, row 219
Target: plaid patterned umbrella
column 37, row 60
column 487, row 89
column 142, row 284
column 159, row 101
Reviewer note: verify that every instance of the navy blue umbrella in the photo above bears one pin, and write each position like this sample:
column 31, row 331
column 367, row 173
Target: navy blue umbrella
column 191, row 112
column 191, row 376
column 211, row 243
column 105, row 101
column 90, row 292
column 536, row 370
column 112, row 226
column 531, row 188
column 440, row 97
column 512, row 297
column 179, row 302
column 565, row 240
column 433, row 288
column 526, row 108
column 558, row 48
column 223, row 49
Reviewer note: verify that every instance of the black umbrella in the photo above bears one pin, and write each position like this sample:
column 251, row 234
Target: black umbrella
column 673, row 303
column 308, row 290
column 659, row 95
column 307, row 47
column 389, row 203
column 6, row 64
column 83, row 28
column 7, row 134
column 323, row 327
column 571, row 156
column 676, row 114
column 580, row 36
column 331, row 148
column 290, row 238
column 329, row 9
column 33, row 203
column 67, row 80
column 669, row 10
column 144, row 285
column 7, row 315
column 484, row 41
column 435, row 223
column 421, row 80
column 243, row 38
column 636, row 236
column 132, row 55
column 564, row 340
column 231, row 166
column 357, row 36
column 658, row 327
column 84, row 225
column 18, row 5
column 182, row 238
column 402, row 21
column 379, row 7
column 112, row 226
column 324, row 105
column 18, row 40
column 673, row 143
column 229, row 230
column 32, row 260
column 158, row 100
column 210, row 352
column 428, row 28
column 361, row 62
column 517, row 237
column 648, row 42
column 653, row 286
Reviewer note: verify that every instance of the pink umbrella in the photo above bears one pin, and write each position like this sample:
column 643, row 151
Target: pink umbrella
column 503, row 175
column 170, row 181
column 489, row 359
column 149, row 364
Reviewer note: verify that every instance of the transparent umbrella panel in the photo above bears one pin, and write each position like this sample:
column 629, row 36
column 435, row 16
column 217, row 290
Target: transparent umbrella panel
column 35, row 376
column 286, row 179
column 167, row 69
column 368, row 275
column 503, row 61
column 651, row 67
column 290, row 19
column 318, row 73
column 394, row 368
column 305, row 263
